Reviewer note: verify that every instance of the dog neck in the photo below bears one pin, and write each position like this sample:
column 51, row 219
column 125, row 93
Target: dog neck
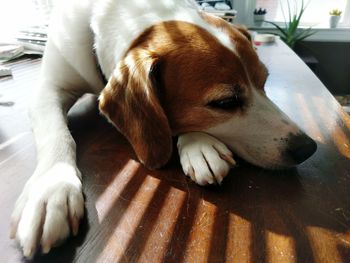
column 117, row 25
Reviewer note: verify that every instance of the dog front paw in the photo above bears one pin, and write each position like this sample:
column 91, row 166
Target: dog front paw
column 204, row 158
column 49, row 208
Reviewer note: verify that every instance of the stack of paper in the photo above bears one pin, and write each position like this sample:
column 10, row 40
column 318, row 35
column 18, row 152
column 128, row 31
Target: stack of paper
column 10, row 51
column 5, row 71
column 33, row 39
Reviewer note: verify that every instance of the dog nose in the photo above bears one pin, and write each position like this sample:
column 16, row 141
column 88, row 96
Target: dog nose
column 300, row 147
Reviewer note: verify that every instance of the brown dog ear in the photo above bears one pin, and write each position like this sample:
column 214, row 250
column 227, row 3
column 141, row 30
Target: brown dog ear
column 130, row 102
column 224, row 25
column 244, row 31
column 242, row 40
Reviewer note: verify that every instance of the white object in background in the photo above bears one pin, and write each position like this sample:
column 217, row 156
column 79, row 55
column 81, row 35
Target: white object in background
column 8, row 51
column 221, row 6
column 33, row 38
column 32, row 46
column 264, row 38
column 208, row 8
column 5, row 71
column 333, row 21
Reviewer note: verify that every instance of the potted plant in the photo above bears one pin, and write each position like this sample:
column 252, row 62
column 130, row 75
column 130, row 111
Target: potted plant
column 334, row 18
column 259, row 15
column 290, row 33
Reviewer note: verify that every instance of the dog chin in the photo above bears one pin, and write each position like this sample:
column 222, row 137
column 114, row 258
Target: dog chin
column 268, row 164
column 277, row 166
column 279, row 157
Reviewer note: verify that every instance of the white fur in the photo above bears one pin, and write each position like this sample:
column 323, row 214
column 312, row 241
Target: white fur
column 201, row 157
column 261, row 135
column 132, row 19
column 68, row 71
column 51, row 206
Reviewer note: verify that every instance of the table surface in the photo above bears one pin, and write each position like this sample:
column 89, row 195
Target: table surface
column 133, row 214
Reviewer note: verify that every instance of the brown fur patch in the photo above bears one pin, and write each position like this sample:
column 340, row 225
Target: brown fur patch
column 195, row 68
column 244, row 48
column 131, row 104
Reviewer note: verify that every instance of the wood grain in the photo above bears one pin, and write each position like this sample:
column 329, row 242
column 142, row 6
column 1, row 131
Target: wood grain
column 138, row 215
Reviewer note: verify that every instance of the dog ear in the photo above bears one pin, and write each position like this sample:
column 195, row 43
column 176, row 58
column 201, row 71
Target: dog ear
column 130, row 102
column 242, row 40
column 224, row 25
column 243, row 30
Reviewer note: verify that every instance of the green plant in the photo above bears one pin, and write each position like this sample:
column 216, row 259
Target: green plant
column 290, row 33
column 260, row 11
column 335, row 12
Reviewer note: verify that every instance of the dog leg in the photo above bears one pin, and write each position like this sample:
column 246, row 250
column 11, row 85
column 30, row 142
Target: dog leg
column 205, row 159
column 51, row 203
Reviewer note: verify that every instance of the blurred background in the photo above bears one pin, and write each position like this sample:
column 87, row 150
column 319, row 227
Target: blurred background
column 326, row 51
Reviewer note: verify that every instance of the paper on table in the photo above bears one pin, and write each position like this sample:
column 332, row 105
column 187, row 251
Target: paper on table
column 5, row 71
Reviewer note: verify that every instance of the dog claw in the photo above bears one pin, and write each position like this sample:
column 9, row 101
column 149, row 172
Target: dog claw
column 212, row 181
column 12, row 234
column 13, row 228
column 228, row 159
column 75, row 225
column 46, row 248
column 219, row 180
column 28, row 253
column 191, row 174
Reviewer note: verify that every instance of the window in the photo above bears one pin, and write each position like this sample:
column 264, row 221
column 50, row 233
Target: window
column 316, row 13
column 19, row 14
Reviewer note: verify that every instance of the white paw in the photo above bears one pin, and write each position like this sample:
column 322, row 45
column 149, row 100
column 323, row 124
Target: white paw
column 49, row 208
column 204, row 158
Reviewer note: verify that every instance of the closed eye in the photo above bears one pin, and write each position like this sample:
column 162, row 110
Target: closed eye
column 231, row 103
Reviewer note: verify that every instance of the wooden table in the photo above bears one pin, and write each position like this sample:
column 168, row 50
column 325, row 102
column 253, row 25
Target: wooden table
column 133, row 214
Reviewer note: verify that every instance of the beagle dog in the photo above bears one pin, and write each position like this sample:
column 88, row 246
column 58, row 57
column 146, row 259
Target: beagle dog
column 172, row 71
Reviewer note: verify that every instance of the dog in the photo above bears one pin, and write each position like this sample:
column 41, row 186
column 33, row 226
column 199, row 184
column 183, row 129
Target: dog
column 172, row 70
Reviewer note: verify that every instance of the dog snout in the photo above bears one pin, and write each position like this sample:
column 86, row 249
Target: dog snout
column 300, row 147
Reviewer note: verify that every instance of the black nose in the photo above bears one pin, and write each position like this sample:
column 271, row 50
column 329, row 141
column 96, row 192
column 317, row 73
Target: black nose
column 300, row 147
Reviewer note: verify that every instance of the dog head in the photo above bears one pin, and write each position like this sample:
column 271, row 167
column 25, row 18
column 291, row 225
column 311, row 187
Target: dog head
column 177, row 77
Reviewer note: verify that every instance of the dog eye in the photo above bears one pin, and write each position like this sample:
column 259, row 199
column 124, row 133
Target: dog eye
column 227, row 103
